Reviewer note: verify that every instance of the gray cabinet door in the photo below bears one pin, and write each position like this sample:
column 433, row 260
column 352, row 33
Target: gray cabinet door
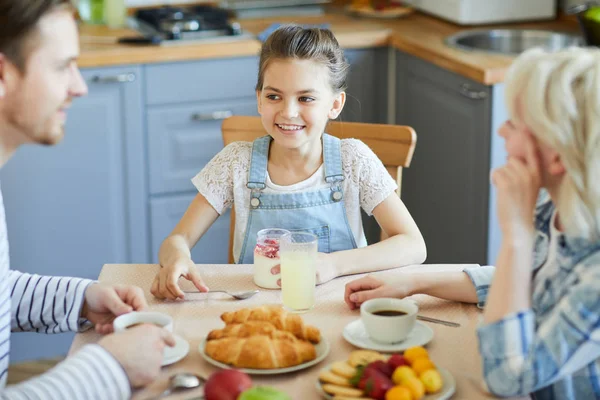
column 66, row 205
column 367, row 86
column 183, row 138
column 446, row 187
column 166, row 212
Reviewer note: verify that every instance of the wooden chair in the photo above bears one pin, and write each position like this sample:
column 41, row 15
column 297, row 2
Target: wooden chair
column 393, row 144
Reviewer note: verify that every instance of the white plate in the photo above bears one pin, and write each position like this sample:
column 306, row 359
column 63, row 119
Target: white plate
column 447, row 390
column 322, row 350
column 173, row 354
column 356, row 334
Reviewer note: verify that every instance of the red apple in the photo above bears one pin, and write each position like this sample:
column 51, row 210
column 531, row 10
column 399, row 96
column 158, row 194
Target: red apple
column 397, row 360
column 226, row 384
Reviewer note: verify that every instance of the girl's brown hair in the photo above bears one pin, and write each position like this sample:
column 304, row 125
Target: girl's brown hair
column 316, row 44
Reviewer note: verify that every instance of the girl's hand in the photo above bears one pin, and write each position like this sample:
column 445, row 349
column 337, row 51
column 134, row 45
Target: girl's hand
column 165, row 284
column 368, row 287
column 325, row 269
column 518, row 184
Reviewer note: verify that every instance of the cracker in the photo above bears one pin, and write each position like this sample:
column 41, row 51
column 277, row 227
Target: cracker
column 344, row 369
column 364, row 357
column 330, row 377
column 342, row 390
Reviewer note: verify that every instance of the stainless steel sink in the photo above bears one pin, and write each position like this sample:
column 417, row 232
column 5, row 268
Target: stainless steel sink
column 512, row 41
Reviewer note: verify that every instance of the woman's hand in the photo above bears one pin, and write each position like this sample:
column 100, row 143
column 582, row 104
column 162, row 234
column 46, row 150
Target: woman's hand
column 368, row 287
column 518, row 184
column 165, row 284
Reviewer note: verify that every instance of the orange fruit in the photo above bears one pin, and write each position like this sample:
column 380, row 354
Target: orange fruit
column 432, row 380
column 398, row 393
column 402, row 374
column 416, row 387
column 421, row 365
column 413, row 353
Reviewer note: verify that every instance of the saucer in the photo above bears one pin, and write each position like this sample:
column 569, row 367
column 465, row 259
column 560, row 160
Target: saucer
column 356, row 334
column 177, row 352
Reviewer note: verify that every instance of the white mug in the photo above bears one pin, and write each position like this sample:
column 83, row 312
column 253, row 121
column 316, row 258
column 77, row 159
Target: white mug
column 388, row 329
column 125, row 321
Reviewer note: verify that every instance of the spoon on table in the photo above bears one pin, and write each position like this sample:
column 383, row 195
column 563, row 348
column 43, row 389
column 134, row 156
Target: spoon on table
column 237, row 296
column 181, row 381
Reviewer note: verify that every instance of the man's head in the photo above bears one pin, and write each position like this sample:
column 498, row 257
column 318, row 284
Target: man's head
column 39, row 77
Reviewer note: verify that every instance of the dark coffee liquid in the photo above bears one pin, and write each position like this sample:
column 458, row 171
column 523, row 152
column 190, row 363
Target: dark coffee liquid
column 389, row 313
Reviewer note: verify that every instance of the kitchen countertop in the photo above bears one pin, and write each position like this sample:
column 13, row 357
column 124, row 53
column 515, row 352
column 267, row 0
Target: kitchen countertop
column 418, row 34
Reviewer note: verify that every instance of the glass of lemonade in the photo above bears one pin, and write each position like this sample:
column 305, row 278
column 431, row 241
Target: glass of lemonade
column 298, row 253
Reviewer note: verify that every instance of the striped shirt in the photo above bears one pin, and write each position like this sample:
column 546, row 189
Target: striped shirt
column 551, row 350
column 52, row 305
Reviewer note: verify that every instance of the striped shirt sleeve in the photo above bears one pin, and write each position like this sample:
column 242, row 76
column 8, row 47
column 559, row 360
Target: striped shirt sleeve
column 92, row 373
column 46, row 304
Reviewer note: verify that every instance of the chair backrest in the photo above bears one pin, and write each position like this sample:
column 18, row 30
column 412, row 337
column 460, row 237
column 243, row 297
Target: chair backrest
column 393, row 144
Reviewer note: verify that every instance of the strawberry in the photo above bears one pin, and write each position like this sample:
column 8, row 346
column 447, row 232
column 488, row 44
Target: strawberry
column 382, row 367
column 397, row 360
column 375, row 384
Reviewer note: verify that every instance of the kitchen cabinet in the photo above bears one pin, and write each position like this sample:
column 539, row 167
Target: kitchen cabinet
column 70, row 207
column 446, row 188
column 186, row 104
column 367, row 98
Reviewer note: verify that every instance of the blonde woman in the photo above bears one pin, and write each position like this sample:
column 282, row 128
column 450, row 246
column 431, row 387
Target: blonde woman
column 541, row 331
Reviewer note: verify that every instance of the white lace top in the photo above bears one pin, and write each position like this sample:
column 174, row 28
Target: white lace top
column 223, row 183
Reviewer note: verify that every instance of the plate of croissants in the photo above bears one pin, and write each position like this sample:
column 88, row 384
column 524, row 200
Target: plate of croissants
column 264, row 340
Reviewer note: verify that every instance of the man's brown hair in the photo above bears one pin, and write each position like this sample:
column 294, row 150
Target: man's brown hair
column 18, row 26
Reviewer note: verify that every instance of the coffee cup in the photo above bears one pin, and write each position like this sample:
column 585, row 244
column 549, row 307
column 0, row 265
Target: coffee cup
column 132, row 319
column 388, row 320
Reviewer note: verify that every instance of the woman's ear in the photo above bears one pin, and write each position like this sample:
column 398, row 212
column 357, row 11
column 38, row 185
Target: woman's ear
column 555, row 165
column 338, row 105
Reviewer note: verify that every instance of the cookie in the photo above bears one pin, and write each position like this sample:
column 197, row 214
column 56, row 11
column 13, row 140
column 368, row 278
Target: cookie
column 337, row 390
column 364, row 357
column 344, row 369
column 330, row 377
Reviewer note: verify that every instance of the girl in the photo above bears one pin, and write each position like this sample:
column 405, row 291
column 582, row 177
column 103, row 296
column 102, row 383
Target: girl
column 541, row 329
column 287, row 179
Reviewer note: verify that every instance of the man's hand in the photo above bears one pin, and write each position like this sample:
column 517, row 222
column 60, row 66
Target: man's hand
column 139, row 350
column 103, row 303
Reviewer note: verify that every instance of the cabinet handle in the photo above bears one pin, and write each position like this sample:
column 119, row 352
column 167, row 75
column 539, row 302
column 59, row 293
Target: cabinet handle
column 212, row 116
column 465, row 90
column 121, row 78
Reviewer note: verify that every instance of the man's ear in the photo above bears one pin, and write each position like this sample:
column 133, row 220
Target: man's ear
column 259, row 101
column 556, row 167
column 2, row 75
column 338, row 105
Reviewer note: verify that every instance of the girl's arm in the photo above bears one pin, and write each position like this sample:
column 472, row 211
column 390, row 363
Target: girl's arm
column 174, row 255
column 404, row 246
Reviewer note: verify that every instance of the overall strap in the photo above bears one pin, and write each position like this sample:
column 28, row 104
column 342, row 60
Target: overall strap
column 257, row 176
column 332, row 158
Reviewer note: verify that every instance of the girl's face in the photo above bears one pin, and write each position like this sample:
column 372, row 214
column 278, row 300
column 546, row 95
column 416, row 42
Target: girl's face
column 296, row 102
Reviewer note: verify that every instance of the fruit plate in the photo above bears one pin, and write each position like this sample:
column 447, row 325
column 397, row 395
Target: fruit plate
column 322, row 349
column 447, row 390
column 387, row 13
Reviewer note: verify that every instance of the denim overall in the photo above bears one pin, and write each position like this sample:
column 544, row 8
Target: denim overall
column 321, row 211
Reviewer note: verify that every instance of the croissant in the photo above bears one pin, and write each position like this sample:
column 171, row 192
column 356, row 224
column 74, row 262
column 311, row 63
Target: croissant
column 277, row 316
column 250, row 328
column 260, row 352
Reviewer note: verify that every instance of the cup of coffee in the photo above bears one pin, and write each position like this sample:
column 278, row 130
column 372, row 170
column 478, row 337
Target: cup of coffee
column 388, row 320
column 135, row 318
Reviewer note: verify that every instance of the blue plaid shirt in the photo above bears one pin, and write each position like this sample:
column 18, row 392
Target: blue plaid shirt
column 551, row 350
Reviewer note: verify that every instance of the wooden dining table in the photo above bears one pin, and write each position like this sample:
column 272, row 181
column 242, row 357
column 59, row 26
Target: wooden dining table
column 452, row 348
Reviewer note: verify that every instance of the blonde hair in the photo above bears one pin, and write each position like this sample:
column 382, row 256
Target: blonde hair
column 316, row 44
column 557, row 96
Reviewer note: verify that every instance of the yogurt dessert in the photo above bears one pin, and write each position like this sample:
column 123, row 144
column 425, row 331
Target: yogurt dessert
column 266, row 256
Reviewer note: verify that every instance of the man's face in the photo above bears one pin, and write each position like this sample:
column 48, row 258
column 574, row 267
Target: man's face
column 35, row 101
